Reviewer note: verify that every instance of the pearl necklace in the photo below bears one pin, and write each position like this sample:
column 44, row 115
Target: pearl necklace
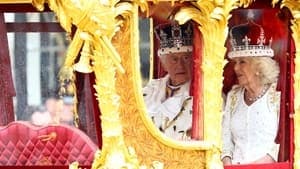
column 261, row 94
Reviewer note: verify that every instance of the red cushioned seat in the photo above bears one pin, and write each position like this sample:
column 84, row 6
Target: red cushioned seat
column 23, row 144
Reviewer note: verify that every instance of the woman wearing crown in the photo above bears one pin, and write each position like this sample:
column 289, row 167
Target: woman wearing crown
column 168, row 99
column 251, row 113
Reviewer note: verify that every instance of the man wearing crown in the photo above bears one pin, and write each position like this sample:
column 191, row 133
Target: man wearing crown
column 251, row 113
column 168, row 99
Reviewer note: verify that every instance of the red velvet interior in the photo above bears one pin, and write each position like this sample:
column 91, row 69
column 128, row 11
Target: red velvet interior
column 6, row 81
column 21, row 145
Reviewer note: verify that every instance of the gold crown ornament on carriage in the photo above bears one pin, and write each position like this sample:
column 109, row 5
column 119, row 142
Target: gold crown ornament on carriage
column 249, row 40
column 174, row 38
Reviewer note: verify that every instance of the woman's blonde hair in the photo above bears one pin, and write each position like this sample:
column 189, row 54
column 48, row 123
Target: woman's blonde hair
column 267, row 69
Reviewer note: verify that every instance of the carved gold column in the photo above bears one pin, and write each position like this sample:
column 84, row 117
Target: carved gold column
column 96, row 23
column 114, row 153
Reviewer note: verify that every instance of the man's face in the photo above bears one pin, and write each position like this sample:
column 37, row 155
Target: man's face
column 178, row 66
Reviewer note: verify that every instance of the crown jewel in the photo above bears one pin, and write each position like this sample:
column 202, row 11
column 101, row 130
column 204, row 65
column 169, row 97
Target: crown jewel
column 249, row 40
column 174, row 38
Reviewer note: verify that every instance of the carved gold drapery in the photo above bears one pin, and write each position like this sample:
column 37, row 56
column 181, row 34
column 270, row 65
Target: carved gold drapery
column 148, row 148
column 97, row 22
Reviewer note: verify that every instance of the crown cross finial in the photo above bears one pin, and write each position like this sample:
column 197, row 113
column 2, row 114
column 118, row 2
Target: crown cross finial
column 261, row 39
column 189, row 31
column 246, row 40
column 233, row 42
column 270, row 42
column 164, row 39
column 188, row 37
column 177, row 35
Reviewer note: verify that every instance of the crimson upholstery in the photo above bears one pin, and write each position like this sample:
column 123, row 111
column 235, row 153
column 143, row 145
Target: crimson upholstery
column 23, row 144
column 280, row 165
column 6, row 79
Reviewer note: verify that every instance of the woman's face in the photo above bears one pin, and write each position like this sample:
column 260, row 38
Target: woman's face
column 245, row 71
column 178, row 66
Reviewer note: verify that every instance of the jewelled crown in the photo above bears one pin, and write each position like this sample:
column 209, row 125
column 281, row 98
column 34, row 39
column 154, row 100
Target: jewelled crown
column 174, row 38
column 249, row 40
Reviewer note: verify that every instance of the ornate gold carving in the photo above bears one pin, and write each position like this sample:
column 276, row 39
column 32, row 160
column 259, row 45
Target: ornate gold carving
column 83, row 65
column 98, row 21
column 148, row 148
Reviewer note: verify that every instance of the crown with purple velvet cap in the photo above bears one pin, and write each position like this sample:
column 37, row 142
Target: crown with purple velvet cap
column 174, row 38
column 249, row 40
